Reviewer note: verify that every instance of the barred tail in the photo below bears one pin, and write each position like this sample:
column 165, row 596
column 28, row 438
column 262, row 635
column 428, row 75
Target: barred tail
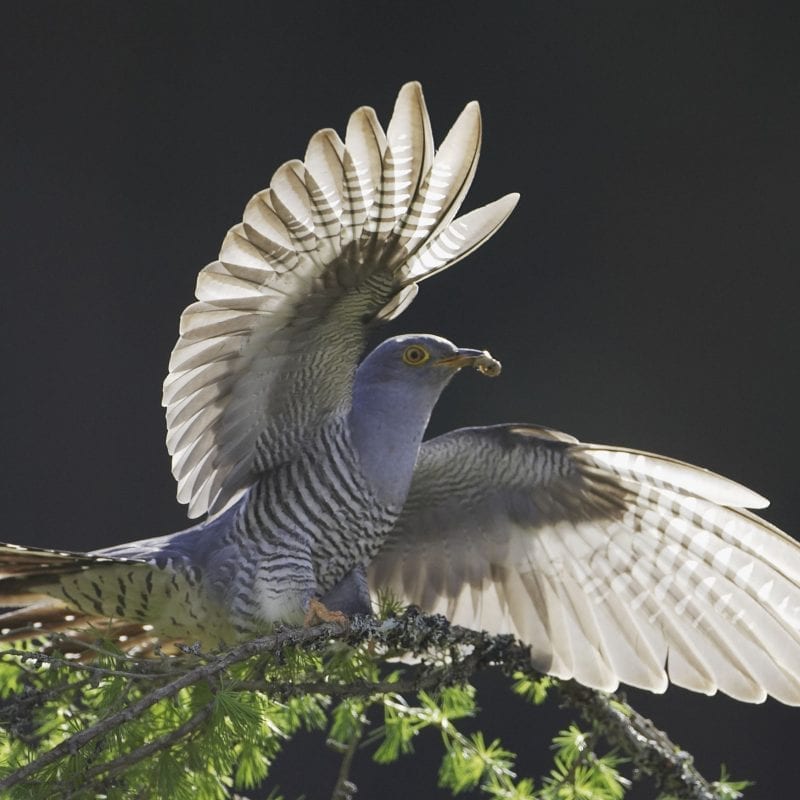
column 30, row 588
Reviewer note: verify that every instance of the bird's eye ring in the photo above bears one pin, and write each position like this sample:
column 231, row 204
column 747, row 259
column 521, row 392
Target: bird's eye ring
column 414, row 355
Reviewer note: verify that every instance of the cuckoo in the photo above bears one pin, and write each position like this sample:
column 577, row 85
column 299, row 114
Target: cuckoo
column 309, row 466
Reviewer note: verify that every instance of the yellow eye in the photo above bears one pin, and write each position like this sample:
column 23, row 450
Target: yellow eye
column 415, row 354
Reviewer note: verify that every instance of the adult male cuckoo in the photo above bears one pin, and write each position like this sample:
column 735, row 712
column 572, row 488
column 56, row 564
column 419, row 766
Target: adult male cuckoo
column 613, row 564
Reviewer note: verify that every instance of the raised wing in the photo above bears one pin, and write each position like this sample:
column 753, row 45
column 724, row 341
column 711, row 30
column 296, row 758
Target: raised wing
column 337, row 242
column 614, row 565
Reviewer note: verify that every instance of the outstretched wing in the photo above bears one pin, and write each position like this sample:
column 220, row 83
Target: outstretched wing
column 337, row 242
column 614, row 565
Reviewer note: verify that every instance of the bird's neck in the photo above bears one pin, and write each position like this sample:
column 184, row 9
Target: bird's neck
column 386, row 429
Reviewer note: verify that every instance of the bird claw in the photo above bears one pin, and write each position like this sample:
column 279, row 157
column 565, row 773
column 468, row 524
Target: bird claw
column 317, row 612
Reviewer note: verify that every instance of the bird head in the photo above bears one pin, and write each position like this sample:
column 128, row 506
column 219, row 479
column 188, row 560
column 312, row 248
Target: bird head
column 395, row 389
column 422, row 363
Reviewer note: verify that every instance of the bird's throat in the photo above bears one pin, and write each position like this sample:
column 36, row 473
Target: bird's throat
column 386, row 435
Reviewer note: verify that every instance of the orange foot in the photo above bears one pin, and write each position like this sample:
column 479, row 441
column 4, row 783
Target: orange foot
column 317, row 612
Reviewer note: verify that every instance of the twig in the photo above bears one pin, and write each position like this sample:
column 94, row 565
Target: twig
column 112, row 768
column 46, row 658
column 135, row 756
column 204, row 672
column 345, row 789
column 37, row 697
column 650, row 749
column 434, row 678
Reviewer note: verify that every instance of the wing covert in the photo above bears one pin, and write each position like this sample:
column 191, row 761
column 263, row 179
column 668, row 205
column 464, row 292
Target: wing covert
column 614, row 565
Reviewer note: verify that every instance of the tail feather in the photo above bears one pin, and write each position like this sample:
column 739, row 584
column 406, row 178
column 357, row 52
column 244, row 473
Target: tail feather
column 50, row 625
column 40, row 618
column 30, row 581
column 18, row 560
column 29, row 572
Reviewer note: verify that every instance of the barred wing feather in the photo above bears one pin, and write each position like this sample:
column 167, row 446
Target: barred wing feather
column 337, row 243
column 614, row 565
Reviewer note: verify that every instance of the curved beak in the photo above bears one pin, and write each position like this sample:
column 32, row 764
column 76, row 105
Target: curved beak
column 481, row 360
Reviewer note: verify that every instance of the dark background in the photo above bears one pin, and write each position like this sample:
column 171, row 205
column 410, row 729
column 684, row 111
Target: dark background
column 643, row 293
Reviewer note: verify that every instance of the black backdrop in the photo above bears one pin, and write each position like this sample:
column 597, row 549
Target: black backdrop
column 643, row 293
